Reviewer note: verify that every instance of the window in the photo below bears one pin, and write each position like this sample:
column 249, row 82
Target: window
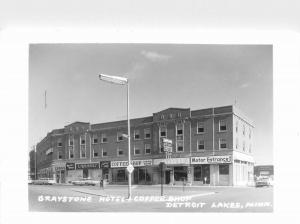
column 200, row 145
column 180, row 173
column 95, row 154
column 237, row 143
column 82, row 140
column 120, row 152
column 249, row 133
column 163, row 132
column 147, row 134
column 59, row 155
column 224, row 169
column 200, row 127
column 103, row 138
column 59, row 143
column 71, row 153
column 179, row 115
column 222, row 125
column 136, row 134
column 82, row 151
column 179, row 146
column 162, row 117
column 179, row 128
column 147, row 149
column 104, row 153
column 197, row 173
column 236, row 126
column 95, row 139
column 223, row 143
column 71, row 141
column 244, row 130
column 244, row 146
column 120, row 137
column 137, row 151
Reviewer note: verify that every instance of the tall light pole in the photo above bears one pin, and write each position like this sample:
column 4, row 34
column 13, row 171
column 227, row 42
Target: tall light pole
column 122, row 81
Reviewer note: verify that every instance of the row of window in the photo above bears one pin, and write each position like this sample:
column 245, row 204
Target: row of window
column 147, row 149
column 244, row 130
column 120, row 152
column 244, row 145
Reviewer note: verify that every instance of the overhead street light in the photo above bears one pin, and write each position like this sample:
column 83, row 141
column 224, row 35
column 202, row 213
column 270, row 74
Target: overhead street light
column 122, row 81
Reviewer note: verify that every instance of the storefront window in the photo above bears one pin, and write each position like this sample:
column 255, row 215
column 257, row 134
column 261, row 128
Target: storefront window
column 197, row 173
column 180, row 173
column 224, row 169
column 119, row 175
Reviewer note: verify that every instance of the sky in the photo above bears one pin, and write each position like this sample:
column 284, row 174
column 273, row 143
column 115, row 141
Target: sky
column 161, row 76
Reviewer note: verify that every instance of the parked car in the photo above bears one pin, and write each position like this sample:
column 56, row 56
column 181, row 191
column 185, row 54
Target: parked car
column 43, row 181
column 85, row 181
column 263, row 181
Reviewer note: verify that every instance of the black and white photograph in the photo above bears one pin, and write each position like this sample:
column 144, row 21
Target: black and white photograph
column 150, row 127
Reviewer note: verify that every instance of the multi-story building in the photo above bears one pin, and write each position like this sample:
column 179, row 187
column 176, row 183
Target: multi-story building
column 209, row 146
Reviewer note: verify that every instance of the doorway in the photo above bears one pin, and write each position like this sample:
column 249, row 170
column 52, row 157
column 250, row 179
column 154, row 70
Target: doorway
column 167, row 177
column 85, row 173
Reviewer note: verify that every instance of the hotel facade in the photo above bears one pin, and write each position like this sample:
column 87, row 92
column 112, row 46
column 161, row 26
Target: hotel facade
column 210, row 146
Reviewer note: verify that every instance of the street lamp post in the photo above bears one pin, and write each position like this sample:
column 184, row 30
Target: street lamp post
column 122, row 81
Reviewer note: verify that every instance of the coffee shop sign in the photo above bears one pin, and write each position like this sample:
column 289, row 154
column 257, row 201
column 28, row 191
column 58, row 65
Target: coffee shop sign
column 135, row 163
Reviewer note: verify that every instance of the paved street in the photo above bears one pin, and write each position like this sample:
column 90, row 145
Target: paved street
column 69, row 198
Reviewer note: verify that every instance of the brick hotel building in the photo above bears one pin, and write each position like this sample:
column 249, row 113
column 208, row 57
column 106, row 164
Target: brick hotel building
column 210, row 146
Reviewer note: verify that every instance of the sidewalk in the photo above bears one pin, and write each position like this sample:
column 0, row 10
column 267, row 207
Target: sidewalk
column 145, row 192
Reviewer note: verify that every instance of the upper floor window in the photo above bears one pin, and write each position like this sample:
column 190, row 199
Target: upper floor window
column 95, row 139
column 179, row 114
column 162, row 117
column 103, row 138
column 120, row 136
column 59, row 143
column 179, row 128
column 120, row 152
column 137, row 134
column 137, row 151
column 147, row 133
column 163, row 132
column 71, row 141
column 59, row 155
column 104, row 153
column 222, row 143
column 250, row 149
column 179, row 146
column 236, row 126
column 82, row 140
column 237, row 143
column 147, row 149
column 95, row 154
column 200, row 144
column 200, row 127
column 250, row 133
column 71, row 153
column 244, row 146
column 244, row 130
column 82, row 151
column 222, row 125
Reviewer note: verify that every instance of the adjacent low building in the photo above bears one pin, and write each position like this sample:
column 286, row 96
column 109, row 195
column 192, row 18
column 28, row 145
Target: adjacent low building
column 210, row 146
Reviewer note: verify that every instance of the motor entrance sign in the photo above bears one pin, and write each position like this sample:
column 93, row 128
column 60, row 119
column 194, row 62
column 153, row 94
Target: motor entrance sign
column 167, row 145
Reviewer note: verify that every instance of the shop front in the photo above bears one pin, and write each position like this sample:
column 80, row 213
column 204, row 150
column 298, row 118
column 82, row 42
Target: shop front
column 212, row 170
column 76, row 171
column 142, row 173
column 60, row 173
column 177, row 171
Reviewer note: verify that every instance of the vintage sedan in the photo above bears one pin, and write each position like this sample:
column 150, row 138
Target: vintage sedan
column 85, row 182
column 43, row 181
column 263, row 181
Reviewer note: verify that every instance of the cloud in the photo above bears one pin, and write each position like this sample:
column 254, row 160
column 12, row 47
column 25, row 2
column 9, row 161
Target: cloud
column 244, row 85
column 154, row 56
